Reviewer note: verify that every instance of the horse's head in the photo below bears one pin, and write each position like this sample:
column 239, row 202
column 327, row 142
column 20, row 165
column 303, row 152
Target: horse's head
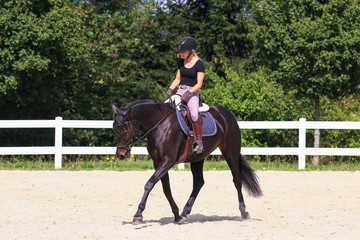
column 124, row 132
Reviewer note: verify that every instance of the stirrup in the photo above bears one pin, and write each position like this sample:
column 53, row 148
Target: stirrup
column 197, row 147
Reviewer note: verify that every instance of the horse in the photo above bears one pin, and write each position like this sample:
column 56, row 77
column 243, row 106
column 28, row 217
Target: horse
column 167, row 146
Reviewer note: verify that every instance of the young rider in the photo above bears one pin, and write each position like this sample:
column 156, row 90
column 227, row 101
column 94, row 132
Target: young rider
column 189, row 79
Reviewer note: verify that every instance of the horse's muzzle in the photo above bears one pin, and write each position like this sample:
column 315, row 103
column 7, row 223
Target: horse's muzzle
column 122, row 154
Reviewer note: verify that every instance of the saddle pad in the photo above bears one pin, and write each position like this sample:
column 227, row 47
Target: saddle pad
column 209, row 125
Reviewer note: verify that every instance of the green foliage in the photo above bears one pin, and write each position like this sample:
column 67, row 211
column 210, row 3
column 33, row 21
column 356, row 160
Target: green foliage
column 72, row 61
column 74, row 58
column 252, row 96
column 344, row 110
column 313, row 46
column 16, row 28
column 223, row 30
column 44, row 53
column 219, row 27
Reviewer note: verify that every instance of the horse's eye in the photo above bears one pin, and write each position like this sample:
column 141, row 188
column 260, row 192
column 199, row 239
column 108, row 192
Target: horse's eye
column 123, row 129
column 119, row 130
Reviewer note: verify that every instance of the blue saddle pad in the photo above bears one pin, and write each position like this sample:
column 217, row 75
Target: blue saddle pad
column 209, row 125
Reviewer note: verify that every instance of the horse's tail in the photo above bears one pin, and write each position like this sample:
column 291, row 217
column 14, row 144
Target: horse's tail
column 249, row 178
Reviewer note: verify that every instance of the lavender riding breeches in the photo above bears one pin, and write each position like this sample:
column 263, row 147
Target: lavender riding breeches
column 192, row 103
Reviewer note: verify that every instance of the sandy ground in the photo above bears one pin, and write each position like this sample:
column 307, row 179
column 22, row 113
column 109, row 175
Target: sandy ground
column 101, row 204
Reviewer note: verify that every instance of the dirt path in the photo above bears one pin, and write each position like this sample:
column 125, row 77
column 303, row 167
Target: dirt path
column 101, row 204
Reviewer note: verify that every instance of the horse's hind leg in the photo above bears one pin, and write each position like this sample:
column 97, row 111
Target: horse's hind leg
column 198, row 182
column 233, row 161
column 167, row 191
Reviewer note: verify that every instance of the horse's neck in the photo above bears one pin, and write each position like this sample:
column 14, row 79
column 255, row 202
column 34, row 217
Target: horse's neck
column 147, row 112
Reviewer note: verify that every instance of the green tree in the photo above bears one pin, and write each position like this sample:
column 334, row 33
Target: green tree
column 42, row 54
column 73, row 60
column 76, row 58
column 312, row 46
column 252, row 97
column 220, row 27
column 223, row 30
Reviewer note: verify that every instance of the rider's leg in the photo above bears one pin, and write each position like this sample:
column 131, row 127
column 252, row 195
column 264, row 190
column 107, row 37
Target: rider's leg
column 193, row 105
column 198, row 145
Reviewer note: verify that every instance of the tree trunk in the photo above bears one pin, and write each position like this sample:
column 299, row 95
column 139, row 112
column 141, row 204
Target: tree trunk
column 315, row 160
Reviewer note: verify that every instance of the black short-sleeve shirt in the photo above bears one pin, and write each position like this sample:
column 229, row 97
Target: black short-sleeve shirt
column 189, row 75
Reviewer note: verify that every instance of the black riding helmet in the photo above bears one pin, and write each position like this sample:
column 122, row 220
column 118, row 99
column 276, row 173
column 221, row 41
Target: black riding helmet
column 186, row 43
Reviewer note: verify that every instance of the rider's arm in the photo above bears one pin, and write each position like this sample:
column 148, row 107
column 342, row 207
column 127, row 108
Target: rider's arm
column 176, row 81
column 200, row 79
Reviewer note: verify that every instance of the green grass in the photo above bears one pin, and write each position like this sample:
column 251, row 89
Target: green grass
column 109, row 163
column 284, row 166
column 77, row 165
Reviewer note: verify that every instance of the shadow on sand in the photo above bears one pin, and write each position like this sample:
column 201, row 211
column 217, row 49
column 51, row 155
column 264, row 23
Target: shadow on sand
column 196, row 218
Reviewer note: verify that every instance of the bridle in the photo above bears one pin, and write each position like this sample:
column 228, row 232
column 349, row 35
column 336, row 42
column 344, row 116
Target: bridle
column 128, row 145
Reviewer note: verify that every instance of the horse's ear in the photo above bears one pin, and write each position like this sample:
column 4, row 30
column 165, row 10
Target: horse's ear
column 114, row 109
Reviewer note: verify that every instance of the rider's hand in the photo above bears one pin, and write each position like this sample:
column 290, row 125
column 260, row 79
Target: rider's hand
column 168, row 92
column 185, row 96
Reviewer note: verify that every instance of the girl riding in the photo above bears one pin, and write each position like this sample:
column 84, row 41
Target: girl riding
column 189, row 79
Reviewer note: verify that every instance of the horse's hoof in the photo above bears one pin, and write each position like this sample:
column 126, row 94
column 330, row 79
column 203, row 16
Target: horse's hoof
column 245, row 215
column 181, row 221
column 137, row 220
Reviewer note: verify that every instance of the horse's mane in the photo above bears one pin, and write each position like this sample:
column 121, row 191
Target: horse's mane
column 120, row 116
column 140, row 102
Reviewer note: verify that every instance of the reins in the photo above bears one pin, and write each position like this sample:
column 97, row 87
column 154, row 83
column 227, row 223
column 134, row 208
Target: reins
column 130, row 143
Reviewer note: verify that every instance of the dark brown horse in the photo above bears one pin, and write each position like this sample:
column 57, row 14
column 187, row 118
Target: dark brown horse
column 167, row 145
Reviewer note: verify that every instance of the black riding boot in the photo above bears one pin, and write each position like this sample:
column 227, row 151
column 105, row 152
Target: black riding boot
column 198, row 144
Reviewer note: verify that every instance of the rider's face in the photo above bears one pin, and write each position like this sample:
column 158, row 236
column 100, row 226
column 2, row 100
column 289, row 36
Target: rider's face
column 184, row 55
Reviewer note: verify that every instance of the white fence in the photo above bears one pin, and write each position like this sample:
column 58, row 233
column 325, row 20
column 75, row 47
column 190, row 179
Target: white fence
column 58, row 150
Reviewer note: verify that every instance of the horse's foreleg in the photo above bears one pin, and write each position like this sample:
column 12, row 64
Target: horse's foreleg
column 198, row 182
column 159, row 173
column 167, row 191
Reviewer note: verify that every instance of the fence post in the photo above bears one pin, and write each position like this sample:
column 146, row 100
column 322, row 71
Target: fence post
column 302, row 142
column 58, row 142
column 181, row 166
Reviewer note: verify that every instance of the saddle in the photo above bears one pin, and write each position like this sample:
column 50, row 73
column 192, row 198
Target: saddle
column 209, row 125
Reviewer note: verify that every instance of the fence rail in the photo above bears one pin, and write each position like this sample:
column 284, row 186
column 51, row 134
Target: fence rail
column 58, row 150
